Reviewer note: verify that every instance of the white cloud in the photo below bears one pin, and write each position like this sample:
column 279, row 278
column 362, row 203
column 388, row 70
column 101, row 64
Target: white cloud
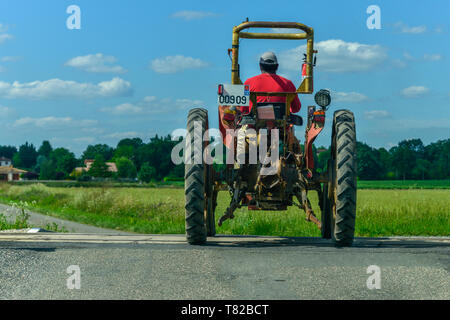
column 92, row 130
column 173, row 64
column 439, row 30
column 398, row 63
column 152, row 105
column 84, row 140
column 53, row 122
column 124, row 108
column 97, row 63
column 122, row 135
column 192, row 15
column 149, row 99
column 183, row 104
column 348, row 97
column 9, row 59
column 5, row 111
column 415, row 91
column 376, row 114
column 432, row 57
column 408, row 56
column 4, row 37
column 337, row 56
column 403, row 28
column 57, row 88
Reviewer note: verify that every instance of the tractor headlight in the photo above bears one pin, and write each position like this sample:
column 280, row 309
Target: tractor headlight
column 323, row 98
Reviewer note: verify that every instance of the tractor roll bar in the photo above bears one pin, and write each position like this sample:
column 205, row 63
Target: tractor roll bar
column 308, row 34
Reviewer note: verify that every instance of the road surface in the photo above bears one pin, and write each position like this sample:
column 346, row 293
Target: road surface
column 34, row 266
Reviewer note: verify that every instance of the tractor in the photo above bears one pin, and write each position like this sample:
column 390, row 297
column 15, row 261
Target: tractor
column 268, row 182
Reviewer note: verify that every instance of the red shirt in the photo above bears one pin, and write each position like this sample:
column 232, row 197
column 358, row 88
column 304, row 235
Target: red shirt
column 267, row 82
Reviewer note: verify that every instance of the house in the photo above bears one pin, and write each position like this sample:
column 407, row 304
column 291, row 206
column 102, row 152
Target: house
column 5, row 162
column 9, row 173
column 111, row 165
column 88, row 163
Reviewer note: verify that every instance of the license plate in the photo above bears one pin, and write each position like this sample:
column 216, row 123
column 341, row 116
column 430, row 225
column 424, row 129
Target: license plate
column 234, row 95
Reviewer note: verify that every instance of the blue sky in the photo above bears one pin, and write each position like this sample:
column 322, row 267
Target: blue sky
column 136, row 67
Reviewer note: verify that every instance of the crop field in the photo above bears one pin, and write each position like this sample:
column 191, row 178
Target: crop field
column 161, row 210
column 375, row 184
column 404, row 184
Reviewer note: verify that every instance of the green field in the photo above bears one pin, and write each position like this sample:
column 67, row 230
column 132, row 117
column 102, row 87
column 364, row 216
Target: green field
column 404, row 184
column 375, row 184
column 161, row 210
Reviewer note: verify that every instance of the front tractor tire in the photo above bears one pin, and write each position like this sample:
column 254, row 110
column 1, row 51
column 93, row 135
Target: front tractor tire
column 339, row 212
column 199, row 200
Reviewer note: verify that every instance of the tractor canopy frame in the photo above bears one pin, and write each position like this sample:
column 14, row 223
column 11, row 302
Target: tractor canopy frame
column 306, row 87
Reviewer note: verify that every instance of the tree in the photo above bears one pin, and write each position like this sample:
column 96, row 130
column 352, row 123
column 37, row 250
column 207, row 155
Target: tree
column 16, row 161
column 28, row 155
column 45, row 149
column 99, row 168
column 177, row 171
column 421, row 169
column 39, row 161
column 48, row 170
column 405, row 155
column 135, row 143
column 124, row 151
column 322, row 159
column 158, row 155
column 64, row 159
column 125, row 168
column 147, row 172
column 438, row 154
column 369, row 167
column 7, row 151
column 385, row 163
column 91, row 152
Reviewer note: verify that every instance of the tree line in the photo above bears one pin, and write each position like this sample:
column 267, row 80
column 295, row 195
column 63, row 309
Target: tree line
column 134, row 159
column 409, row 160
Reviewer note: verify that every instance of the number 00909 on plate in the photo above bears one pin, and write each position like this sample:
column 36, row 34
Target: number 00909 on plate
column 234, row 95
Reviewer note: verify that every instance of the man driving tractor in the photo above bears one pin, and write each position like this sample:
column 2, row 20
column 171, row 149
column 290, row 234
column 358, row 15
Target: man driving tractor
column 269, row 81
column 248, row 135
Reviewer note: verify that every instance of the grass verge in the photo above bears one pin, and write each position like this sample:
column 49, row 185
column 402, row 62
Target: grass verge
column 379, row 212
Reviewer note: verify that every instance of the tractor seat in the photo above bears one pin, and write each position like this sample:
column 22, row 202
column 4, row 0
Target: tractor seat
column 264, row 110
column 276, row 111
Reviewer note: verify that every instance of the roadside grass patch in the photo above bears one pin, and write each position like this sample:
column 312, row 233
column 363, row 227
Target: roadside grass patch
column 143, row 210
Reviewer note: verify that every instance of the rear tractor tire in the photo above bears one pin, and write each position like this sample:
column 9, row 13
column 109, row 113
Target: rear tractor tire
column 339, row 196
column 199, row 200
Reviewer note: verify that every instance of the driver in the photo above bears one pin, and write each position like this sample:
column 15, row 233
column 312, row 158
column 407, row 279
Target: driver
column 269, row 81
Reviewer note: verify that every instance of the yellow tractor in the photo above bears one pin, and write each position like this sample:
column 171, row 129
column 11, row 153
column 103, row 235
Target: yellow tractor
column 282, row 172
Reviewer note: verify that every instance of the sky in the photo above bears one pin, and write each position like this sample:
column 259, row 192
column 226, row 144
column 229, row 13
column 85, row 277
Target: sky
column 135, row 68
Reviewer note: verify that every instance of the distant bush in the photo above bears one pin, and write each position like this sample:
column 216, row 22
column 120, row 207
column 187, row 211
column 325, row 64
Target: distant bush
column 84, row 177
column 30, row 175
column 169, row 179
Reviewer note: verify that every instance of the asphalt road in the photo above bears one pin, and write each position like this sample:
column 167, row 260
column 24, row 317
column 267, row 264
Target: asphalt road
column 34, row 266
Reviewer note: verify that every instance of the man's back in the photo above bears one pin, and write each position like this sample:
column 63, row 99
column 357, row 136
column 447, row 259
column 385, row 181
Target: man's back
column 271, row 82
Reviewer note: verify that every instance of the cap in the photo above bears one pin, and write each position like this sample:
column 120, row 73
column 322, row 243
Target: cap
column 268, row 58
